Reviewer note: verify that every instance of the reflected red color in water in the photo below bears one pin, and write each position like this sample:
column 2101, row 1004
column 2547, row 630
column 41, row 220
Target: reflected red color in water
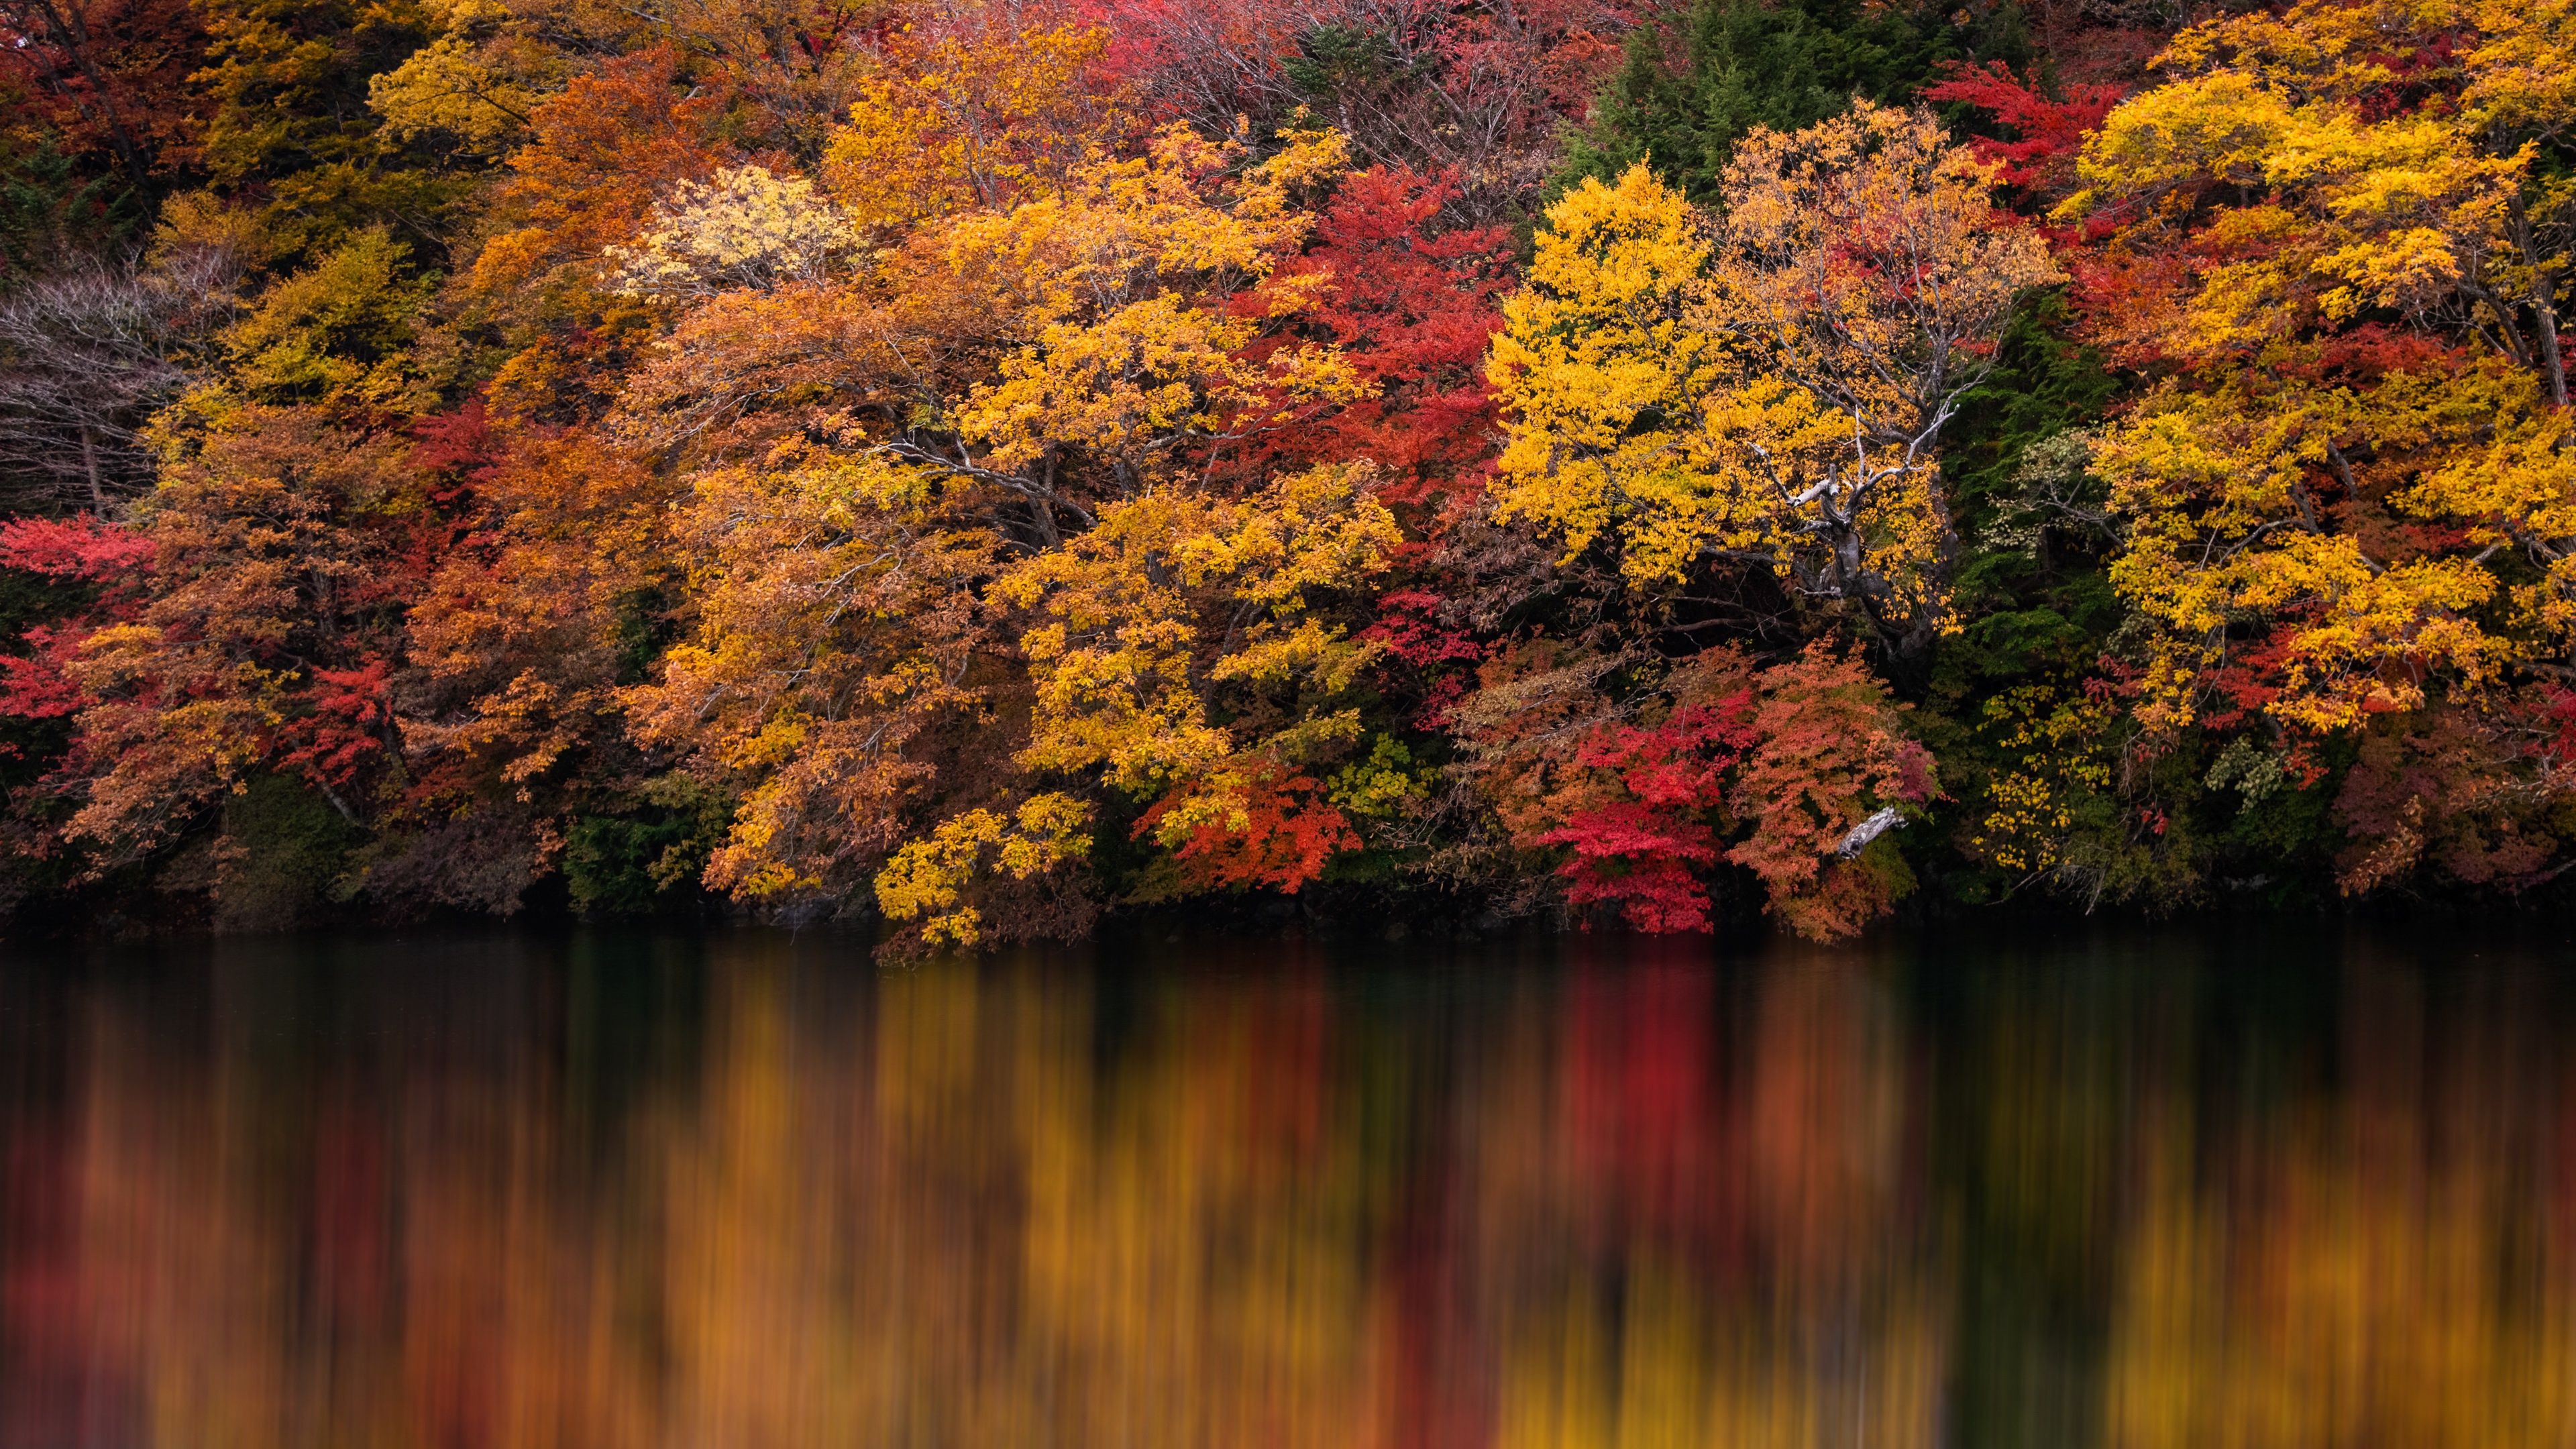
column 2187, row 1190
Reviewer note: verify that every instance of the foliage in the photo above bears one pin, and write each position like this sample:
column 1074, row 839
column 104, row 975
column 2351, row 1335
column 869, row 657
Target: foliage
column 272, row 566
column 648, row 855
column 930, row 878
column 102, row 86
column 1803, row 765
column 1768, row 389
column 953, row 118
column 289, row 136
column 2049, row 130
column 745, row 229
column 1412, row 309
column 1695, row 84
column 976, row 466
column 1472, row 93
column 2331, row 237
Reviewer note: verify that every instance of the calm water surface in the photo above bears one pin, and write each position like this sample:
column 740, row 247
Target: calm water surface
column 2194, row 1189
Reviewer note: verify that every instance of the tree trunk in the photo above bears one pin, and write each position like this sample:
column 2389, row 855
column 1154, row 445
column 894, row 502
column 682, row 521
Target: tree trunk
column 89, row 463
column 2544, row 306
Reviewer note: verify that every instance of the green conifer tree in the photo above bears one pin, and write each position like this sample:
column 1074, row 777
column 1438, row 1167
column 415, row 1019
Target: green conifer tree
column 1778, row 63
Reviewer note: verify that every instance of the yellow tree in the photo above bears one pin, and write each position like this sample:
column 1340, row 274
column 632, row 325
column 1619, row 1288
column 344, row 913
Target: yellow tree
column 2348, row 498
column 971, row 113
column 2274, row 473
column 1766, row 387
column 1177, row 607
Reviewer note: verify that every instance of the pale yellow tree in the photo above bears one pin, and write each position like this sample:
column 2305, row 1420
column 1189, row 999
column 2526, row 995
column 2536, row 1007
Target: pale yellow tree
column 748, row 229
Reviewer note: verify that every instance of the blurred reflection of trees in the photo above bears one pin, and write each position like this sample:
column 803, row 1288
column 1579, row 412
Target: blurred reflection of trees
column 738, row 1193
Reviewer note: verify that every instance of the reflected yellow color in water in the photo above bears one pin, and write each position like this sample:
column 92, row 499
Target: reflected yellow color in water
column 2385, row 1265
column 746, row 1191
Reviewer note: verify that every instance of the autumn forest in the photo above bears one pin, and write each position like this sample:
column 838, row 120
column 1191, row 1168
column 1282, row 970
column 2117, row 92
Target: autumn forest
column 978, row 469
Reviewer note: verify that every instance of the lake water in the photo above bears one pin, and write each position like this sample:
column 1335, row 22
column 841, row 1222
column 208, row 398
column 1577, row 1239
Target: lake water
column 2279, row 1186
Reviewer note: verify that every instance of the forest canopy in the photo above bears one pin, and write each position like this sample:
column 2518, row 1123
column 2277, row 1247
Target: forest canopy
column 974, row 467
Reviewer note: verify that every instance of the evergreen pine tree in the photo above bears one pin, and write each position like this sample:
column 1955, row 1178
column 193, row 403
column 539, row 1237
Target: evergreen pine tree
column 1778, row 63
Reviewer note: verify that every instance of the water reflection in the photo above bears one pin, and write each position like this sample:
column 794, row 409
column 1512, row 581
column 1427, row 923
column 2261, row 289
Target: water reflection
column 743, row 1191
